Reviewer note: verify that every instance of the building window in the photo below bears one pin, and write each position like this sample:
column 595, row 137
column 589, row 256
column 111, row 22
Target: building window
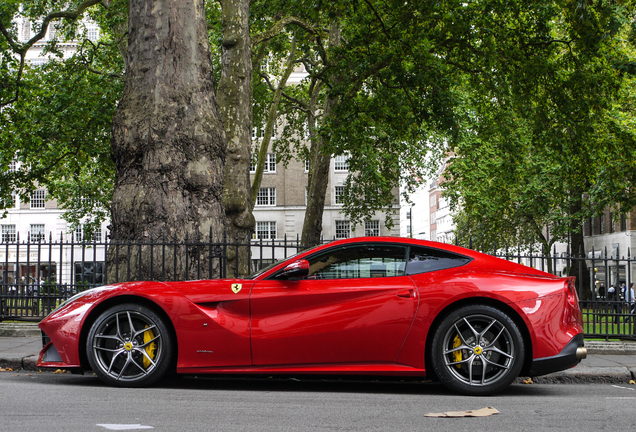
column 306, row 165
column 38, row 199
column 38, row 61
column 372, row 228
column 339, row 195
column 25, row 35
column 265, row 230
column 623, row 223
column 266, row 197
column 92, row 32
column 81, row 235
column 259, row 133
column 343, row 229
column 253, row 162
column 341, row 163
column 270, row 163
column 96, row 236
column 12, row 166
column 433, row 201
column 8, row 233
column 53, row 25
column 37, row 233
column 77, row 235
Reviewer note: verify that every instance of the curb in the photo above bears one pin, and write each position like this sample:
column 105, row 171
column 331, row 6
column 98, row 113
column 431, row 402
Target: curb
column 25, row 364
column 19, row 330
column 582, row 375
column 611, row 348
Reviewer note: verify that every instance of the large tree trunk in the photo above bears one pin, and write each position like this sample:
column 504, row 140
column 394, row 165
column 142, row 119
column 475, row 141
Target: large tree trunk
column 168, row 141
column 235, row 105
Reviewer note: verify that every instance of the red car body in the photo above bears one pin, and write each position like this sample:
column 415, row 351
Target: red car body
column 365, row 325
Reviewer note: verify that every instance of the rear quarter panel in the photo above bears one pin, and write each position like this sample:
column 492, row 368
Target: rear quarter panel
column 539, row 301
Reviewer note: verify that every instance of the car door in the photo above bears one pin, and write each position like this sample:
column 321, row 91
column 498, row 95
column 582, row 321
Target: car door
column 355, row 306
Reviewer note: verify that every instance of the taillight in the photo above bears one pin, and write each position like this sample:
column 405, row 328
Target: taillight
column 573, row 297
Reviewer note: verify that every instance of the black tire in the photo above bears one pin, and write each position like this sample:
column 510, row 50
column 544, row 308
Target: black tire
column 471, row 336
column 129, row 345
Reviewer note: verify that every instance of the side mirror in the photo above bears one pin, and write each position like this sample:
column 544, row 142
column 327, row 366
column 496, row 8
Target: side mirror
column 297, row 269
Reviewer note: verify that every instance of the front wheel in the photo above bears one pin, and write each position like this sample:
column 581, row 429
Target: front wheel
column 129, row 345
column 477, row 350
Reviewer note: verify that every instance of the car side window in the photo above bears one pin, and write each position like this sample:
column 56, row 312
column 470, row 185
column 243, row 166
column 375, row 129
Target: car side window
column 364, row 261
column 422, row 260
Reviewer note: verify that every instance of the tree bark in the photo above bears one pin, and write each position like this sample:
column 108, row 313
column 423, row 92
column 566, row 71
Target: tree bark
column 235, row 102
column 168, row 142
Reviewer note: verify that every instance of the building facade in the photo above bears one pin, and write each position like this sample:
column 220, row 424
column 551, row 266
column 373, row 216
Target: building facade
column 612, row 236
column 282, row 200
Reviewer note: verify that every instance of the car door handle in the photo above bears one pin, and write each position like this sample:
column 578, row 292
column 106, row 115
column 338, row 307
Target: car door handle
column 406, row 293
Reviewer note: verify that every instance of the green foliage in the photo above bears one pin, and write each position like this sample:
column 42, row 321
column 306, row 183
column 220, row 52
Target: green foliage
column 529, row 103
column 546, row 136
column 58, row 130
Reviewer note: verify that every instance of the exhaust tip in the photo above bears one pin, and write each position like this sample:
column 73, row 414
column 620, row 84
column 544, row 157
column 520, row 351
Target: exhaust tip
column 581, row 353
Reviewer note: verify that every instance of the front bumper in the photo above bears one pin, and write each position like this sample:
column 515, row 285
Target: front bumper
column 50, row 357
column 569, row 357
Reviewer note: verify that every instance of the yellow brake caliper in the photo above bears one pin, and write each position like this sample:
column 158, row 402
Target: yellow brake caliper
column 151, row 349
column 457, row 355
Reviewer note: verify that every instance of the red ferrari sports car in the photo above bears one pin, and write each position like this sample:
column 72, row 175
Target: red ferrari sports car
column 363, row 306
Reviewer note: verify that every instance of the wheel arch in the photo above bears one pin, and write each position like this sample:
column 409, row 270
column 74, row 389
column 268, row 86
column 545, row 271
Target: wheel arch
column 113, row 301
column 486, row 301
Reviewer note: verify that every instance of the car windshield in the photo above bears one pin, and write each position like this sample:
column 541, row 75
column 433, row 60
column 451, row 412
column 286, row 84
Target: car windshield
column 274, row 264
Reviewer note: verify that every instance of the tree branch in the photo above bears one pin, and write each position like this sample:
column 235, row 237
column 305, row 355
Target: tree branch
column 278, row 27
column 21, row 49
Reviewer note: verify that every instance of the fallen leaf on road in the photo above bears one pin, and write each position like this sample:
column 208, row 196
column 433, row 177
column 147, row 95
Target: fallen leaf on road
column 61, row 371
column 632, row 382
column 6, row 369
column 484, row 412
column 528, row 381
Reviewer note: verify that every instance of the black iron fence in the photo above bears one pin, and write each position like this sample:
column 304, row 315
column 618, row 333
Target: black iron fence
column 35, row 277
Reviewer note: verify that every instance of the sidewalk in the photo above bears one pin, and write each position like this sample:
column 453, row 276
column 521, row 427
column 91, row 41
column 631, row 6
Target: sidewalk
column 606, row 362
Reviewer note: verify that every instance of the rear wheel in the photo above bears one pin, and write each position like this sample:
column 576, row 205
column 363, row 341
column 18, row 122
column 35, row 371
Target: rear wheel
column 477, row 350
column 129, row 345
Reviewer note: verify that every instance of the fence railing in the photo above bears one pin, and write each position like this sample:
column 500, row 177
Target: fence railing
column 35, row 277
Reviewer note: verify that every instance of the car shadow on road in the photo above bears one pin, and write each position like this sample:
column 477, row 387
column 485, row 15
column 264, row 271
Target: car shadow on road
column 324, row 384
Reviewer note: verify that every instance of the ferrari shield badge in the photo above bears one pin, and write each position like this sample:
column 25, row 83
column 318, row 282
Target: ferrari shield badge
column 236, row 288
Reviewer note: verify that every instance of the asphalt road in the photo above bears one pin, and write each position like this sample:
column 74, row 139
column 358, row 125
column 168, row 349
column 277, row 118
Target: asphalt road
column 36, row 402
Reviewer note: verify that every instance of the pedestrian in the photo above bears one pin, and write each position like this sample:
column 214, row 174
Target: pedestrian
column 601, row 291
column 631, row 301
